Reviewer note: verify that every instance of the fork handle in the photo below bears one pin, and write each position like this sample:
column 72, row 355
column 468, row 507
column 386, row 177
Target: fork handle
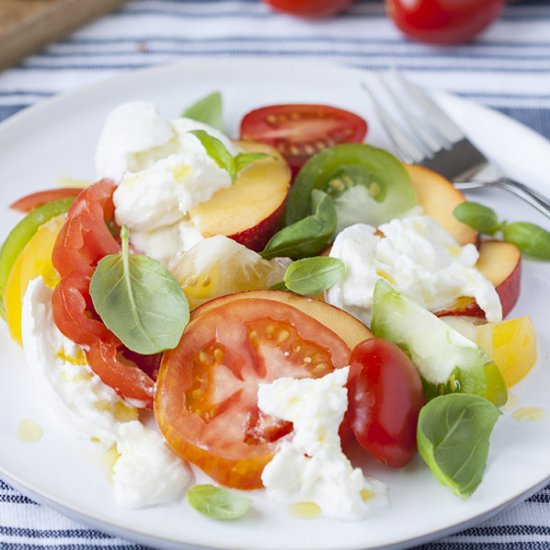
column 534, row 198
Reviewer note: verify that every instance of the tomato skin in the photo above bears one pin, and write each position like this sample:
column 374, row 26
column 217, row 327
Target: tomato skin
column 85, row 237
column 444, row 21
column 385, row 398
column 83, row 240
column 73, row 311
column 206, row 398
column 299, row 131
column 34, row 200
column 309, row 8
column 125, row 377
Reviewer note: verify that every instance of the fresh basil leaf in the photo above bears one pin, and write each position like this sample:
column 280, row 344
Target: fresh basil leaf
column 278, row 286
column 453, row 439
column 217, row 503
column 477, row 216
column 244, row 159
column 222, row 157
column 308, row 236
column 313, row 275
column 208, row 110
column 529, row 238
column 139, row 300
column 217, row 151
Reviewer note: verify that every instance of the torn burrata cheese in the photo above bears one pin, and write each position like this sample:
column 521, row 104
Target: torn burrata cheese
column 146, row 471
column 418, row 257
column 310, row 466
column 163, row 171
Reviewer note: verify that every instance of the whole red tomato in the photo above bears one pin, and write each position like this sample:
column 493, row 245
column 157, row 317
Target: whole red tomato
column 309, row 8
column 443, row 21
column 385, row 398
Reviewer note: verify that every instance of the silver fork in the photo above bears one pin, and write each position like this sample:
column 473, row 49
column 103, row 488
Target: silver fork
column 430, row 138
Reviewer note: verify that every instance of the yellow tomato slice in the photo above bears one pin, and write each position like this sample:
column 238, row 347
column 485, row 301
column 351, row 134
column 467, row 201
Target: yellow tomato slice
column 34, row 260
column 512, row 345
column 218, row 266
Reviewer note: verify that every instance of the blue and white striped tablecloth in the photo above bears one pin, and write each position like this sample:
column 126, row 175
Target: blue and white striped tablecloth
column 507, row 69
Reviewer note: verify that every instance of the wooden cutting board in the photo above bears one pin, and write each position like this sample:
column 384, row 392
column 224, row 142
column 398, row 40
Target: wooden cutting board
column 28, row 25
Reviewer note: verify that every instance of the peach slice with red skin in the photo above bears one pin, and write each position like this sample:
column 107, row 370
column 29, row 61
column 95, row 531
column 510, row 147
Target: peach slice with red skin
column 438, row 198
column 249, row 211
column 347, row 327
column 500, row 263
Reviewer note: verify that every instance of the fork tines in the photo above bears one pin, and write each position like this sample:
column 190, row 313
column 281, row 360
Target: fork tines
column 420, row 130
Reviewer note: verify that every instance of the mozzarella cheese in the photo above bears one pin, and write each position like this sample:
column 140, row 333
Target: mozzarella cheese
column 134, row 136
column 80, row 399
column 147, row 472
column 418, row 257
column 311, row 466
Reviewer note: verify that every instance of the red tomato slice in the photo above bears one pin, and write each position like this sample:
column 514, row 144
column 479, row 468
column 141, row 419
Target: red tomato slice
column 73, row 312
column 385, row 398
column 206, row 398
column 85, row 239
column 34, row 200
column 107, row 360
column 300, row 131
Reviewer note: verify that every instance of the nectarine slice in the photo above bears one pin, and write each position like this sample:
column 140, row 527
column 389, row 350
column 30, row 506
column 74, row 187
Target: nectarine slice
column 343, row 324
column 438, row 198
column 500, row 263
column 249, row 211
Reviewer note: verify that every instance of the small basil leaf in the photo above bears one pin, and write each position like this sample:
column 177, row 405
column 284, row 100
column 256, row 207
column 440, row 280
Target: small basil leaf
column 217, row 503
column 222, row 157
column 278, row 286
column 217, row 151
column 207, row 110
column 477, row 216
column 313, row 275
column 139, row 300
column 529, row 238
column 244, row 159
column 308, row 236
column 453, row 439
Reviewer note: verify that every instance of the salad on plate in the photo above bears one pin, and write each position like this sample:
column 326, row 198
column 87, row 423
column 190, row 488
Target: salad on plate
column 254, row 309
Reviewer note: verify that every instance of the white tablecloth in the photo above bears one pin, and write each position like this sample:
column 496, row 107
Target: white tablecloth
column 507, row 69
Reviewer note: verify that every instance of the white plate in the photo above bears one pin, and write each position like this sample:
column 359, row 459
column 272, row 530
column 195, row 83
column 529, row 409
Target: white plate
column 58, row 138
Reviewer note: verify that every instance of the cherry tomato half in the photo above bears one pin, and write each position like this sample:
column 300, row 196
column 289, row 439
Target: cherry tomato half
column 207, row 389
column 300, row 131
column 385, row 398
column 309, row 8
column 444, row 21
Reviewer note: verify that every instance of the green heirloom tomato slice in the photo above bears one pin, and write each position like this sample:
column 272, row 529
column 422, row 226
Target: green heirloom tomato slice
column 447, row 361
column 22, row 233
column 368, row 185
